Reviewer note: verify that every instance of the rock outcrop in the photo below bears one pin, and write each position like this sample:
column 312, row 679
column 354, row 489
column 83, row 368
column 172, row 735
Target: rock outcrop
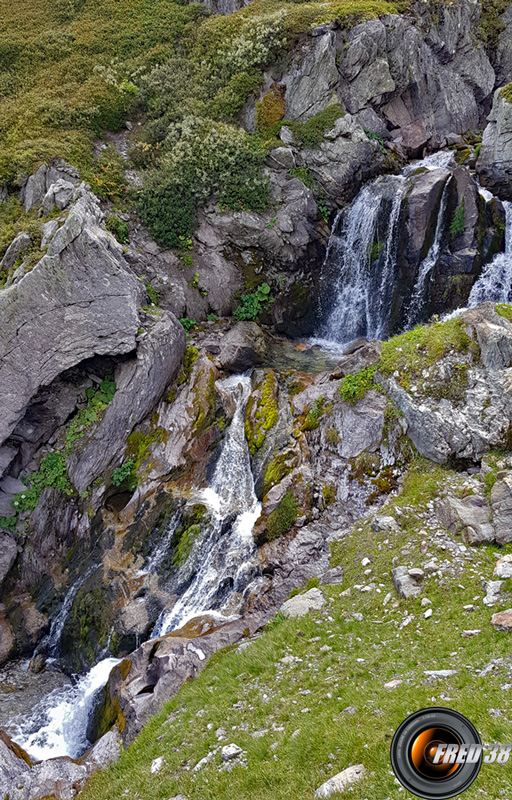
column 494, row 164
column 81, row 299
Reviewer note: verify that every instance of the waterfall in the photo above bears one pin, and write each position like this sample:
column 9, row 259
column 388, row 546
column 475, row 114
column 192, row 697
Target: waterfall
column 225, row 549
column 362, row 292
column 425, row 272
column 495, row 282
column 50, row 644
column 362, row 254
column 57, row 725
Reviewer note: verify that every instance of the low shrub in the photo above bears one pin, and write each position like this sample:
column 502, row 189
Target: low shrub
column 282, row 518
column 252, row 304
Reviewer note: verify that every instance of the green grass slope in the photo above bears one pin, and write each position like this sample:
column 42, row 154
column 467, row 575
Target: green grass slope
column 307, row 698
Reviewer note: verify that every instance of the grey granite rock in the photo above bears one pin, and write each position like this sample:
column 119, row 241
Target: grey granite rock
column 81, row 299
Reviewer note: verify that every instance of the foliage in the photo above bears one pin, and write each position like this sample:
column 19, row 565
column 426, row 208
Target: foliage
column 188, row 323
column 354, row 387
column 168, row 208
column 303, row 174
column 202, row 158
column 376, row 137
column 505, row 311
column 117, row 228
column 108, row 179
column 252, row 304
column 415, row 351
column 458, row 223
column 97, row 401
column 125, row 474
column 491, row 25
column 270, row 109
column 281, row 520
column 311, row 583
column 52, row 474
column 153, row 294
column 311, row 132
column 312, row 420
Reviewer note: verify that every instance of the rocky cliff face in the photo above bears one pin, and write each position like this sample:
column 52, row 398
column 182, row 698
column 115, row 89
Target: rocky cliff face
column 114, row 420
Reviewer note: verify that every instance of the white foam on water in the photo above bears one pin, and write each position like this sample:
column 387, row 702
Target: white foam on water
column 58, row 723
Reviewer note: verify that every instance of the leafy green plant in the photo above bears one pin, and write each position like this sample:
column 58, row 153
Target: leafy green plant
column 188, row 323
column 311, row 132
column 281, row 520
column 52, row 474
column 376, row 137
column 354, row 387
column 252, row 304
column 212, row 317
column 117, row 228
column 458, row 223
column 312, row 420
column 97, row 401
column 153, row 294
column 125, row 474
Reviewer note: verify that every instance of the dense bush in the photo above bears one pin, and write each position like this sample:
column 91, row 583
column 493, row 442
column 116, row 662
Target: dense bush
column 202, row 158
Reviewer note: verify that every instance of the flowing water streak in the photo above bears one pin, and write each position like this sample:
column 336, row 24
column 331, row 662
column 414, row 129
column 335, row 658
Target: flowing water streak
column 57, row 725
column 426, row 269
column 364, row 269
column 495, row 282
column 225, row 557
column 50, row 644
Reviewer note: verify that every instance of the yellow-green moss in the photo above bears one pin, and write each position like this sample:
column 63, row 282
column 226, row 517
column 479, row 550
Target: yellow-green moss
column 270, row 109
column 261, row 415
column 277, row 469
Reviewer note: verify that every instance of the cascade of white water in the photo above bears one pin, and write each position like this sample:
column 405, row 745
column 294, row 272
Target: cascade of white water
column 223, row 558
column 495, row 282
column 57, row 725
column 362, row 254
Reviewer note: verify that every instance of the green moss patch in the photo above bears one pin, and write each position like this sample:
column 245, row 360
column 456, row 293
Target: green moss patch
column 281, row 520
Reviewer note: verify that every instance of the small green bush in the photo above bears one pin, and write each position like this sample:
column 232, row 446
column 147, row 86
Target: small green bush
column 303, row 174
column 282, row 518
column 117, row 228
column 125, row 474
column 311, row 132
column 354, row 387
column 458, row 223
column 188, row 323
column 52, row 474
column 312, row 420
column 251, row 305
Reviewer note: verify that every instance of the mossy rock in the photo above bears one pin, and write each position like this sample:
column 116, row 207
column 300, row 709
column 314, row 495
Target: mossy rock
column 262, row 411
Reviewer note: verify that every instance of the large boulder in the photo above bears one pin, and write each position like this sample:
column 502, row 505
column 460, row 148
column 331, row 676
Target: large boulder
column 302, row 604
column 494, row 164
column 80, row 300
column 501, row 504
column 422, row 73
column 470, row 516
column 38, row 184
column 140, row 385
column 344, row 160
column 244, row 346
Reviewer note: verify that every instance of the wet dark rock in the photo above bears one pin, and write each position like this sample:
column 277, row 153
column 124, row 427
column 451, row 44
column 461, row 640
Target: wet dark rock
column 244, row 346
